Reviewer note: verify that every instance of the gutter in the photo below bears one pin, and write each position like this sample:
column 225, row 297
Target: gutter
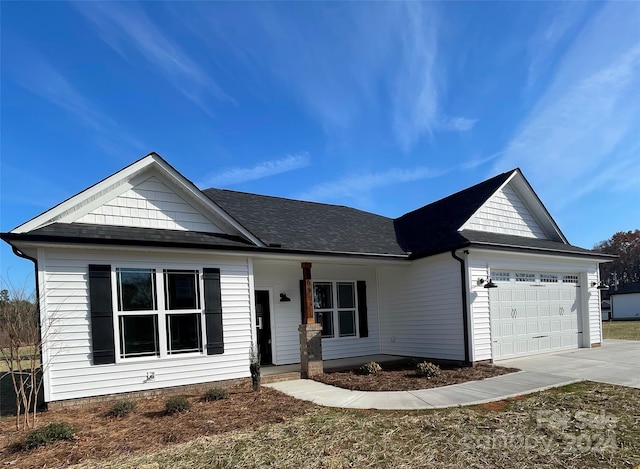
column 465, row 306
column 8, row 237
column 21, row 254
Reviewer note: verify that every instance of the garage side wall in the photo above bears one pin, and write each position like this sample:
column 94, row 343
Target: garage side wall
column 70, row 373
column 421, row 309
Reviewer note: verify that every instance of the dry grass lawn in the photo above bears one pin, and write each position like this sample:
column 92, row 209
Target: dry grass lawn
column 579, row 426
column 627, row 330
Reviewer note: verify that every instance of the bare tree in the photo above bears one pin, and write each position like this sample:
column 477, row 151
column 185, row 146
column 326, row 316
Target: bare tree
column 21, row 339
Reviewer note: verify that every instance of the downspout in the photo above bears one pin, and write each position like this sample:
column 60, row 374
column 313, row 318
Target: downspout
column 465, row 306
column 21, row 254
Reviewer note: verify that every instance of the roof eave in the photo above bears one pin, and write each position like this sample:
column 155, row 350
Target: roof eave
column 53, row 239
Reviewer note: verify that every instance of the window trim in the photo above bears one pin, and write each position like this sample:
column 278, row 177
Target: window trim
column 162, row 312
column 335, row 309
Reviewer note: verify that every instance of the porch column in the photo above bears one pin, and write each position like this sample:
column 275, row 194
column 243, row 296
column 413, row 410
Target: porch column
column 310, row 332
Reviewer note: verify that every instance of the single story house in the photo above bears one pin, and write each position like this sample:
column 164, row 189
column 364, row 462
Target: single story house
column 147, row 282
column 625, row 301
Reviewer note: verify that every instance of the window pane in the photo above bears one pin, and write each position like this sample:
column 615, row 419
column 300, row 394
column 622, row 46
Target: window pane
column 346, row 295
column 347, row 323
column 181, row 289
column 326, row 319
column 136, row 289
column 184, row 333
column 139, row 336
column 322, row 295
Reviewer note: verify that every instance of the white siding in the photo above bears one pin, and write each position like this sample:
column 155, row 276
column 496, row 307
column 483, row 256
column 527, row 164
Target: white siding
column 286, row 317
column 505, row 213
column 150, row 204
column 626, row 306
column 480, row 263
column 70, row 373
column 421, row 309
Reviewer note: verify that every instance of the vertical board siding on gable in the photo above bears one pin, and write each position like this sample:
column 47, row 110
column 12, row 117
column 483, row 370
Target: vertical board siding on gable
column 506, row 213
column 421, row 309
column 150, row 204
column 285, row 277
column 71, row 372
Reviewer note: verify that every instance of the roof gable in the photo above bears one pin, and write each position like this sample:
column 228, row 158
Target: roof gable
column 505, row 212
column 158, row 190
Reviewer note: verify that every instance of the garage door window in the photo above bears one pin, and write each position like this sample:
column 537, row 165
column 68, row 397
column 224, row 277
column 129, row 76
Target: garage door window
column 525, row 277
column 500, row 276
column 548, row 278
column 570, row 279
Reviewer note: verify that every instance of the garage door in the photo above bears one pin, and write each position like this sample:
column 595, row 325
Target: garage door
column 533, row 312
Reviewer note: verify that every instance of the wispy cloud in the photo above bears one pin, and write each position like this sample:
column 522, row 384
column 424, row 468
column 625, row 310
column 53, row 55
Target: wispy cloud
column 357, row 185
column 37, row 75
column 126, row 27
column 345, row 62
column 261, row 170
column 589, row 114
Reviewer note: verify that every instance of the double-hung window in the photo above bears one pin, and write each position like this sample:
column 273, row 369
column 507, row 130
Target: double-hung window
column 334, row 307
column 152, row 324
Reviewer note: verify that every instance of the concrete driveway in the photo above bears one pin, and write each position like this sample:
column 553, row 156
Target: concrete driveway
column 616, row 362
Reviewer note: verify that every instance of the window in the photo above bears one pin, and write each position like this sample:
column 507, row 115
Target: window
column 182, row 292
column 500, row 276
column 525, row 277
column 569, row 278
column 147, row 328
column 334, row 304
column 549, row 278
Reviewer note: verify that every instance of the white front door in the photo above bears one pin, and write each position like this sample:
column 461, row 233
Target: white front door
column 533, row 313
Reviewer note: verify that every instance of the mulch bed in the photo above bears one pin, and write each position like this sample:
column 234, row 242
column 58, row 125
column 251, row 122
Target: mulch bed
column 397, row 376
column 147, row 428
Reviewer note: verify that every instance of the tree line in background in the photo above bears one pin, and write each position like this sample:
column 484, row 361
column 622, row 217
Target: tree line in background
column 626, row 268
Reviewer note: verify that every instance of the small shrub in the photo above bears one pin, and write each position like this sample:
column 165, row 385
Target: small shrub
column 215, row 394
column 121, row 408
column 427, row 370
column 370, row 368
column 55, row 431
column 177, row 404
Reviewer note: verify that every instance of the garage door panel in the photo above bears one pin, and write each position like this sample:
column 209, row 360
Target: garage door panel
column 535, row 316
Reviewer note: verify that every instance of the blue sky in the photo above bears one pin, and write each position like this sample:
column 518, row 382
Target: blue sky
column 381, row 106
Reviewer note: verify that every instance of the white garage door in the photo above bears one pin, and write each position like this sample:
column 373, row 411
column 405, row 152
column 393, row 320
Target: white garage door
column 533, row 312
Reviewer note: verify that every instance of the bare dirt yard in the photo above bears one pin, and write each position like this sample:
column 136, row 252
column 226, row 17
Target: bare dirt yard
column 147, row 428
column 398, row 376
column 584, row 425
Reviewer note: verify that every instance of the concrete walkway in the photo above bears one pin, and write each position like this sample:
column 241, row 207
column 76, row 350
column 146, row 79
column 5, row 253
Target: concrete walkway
column 472, row 392
column 616, row 362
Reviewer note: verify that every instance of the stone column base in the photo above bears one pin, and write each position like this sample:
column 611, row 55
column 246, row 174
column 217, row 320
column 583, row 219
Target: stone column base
column 310, row 350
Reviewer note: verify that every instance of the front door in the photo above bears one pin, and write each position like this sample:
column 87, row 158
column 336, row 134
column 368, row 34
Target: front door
column 263, row 326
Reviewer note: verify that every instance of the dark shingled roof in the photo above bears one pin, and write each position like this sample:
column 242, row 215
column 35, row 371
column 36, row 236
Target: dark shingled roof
column 126, row 235
column 286, row 225
column 434, row 227
column 299, row 225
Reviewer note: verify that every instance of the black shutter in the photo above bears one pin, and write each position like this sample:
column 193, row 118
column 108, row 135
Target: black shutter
column 101, row 306
column 362, row 308
column 213, row 310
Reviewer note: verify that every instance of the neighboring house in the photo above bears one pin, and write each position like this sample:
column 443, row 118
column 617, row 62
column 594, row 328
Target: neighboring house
column 147, row 282
column 625, row 301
